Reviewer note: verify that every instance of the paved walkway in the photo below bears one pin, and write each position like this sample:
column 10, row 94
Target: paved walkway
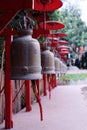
column 66, row 110
column 75, row 70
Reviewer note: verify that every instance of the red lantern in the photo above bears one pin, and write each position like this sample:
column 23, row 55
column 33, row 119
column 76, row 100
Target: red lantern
column 52, row 25
column 47, row 5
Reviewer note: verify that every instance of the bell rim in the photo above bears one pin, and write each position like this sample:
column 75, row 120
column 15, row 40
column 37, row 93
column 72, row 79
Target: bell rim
column 26, row 77
column 48, row 72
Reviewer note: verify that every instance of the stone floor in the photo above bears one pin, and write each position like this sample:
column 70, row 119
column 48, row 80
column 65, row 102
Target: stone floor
column 66, row 110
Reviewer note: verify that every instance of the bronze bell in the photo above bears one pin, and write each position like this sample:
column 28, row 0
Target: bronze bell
column 47, row 61
column 25, row 57
column 57, row 65
column 64, row 68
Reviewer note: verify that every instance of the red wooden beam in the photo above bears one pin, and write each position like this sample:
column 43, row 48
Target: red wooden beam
column 44, row 84
column 28, row 95
column 8, row 84
column 15, row 5
column 6, row 18
column 8, row 87
column 9, row 9
column 9, row 32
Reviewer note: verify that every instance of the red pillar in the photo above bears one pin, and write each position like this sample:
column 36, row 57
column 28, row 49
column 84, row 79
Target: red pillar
column 8, row 87
column 55, row 80
column 52, row 81
column 44, row 84
column 28, row 95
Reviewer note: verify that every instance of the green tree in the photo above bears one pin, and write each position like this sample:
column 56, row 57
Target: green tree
column 75, row 28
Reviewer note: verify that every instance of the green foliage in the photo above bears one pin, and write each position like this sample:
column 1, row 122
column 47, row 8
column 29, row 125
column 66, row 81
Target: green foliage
column 75, row 28
column 69, row 77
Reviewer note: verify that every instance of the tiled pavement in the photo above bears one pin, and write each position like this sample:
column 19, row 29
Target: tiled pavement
column 66, row 110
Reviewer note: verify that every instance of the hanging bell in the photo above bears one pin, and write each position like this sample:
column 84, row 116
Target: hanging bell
column 25, row 57
column 57, row 65
column 47, row 61
column 64, row 69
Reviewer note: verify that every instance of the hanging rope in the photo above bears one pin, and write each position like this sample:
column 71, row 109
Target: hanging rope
column 40, row 106
column 35, row 91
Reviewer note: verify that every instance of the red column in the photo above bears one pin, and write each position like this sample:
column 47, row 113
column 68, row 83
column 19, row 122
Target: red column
column 28, row 95
column 55, row 80
column 52, row 81
column 8, row 87
column 44, row 84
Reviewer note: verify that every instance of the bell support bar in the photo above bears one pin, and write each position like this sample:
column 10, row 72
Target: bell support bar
column 15, row 5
